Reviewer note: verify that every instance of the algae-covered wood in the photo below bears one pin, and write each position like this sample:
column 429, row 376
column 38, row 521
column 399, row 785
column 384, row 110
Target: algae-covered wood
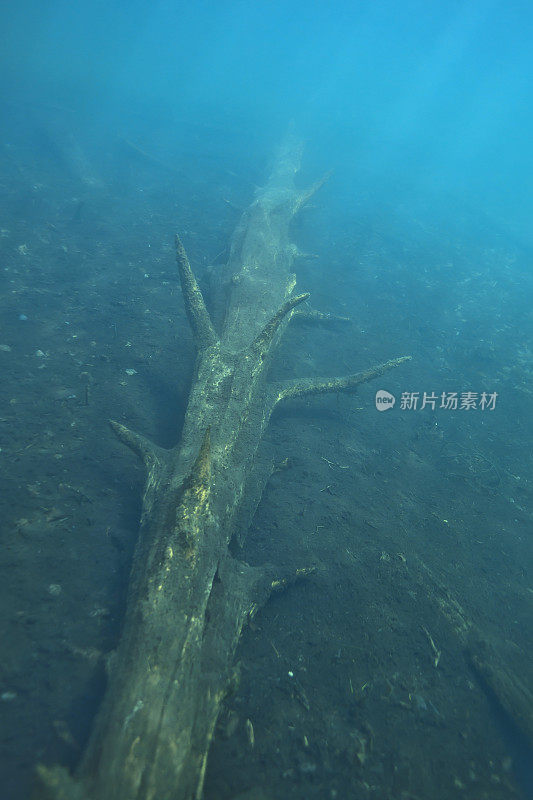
column 188, row 596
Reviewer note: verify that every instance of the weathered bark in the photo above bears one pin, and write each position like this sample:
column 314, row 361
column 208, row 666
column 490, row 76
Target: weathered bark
column 189, row 597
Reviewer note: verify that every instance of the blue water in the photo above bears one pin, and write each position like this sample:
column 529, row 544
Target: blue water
column 124, row 121
column 434, row 94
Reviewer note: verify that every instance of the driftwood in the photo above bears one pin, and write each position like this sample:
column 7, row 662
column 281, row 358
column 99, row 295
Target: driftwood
column 189, row 597
column 499, row 665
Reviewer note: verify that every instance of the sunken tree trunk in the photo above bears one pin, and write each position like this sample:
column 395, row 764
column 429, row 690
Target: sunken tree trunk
column 188, row 596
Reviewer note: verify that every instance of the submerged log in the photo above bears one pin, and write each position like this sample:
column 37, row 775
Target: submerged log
column 189, row 597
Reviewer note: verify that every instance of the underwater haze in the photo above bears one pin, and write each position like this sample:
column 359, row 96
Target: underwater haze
column 437, row 95
column 402, row 666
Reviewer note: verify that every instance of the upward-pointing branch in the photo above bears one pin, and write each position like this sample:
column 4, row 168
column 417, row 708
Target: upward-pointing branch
column 197, row 313
column 305, row 195
column 262, row 342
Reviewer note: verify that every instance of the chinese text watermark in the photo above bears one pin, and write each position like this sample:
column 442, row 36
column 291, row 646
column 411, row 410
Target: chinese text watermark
column 450, row 401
